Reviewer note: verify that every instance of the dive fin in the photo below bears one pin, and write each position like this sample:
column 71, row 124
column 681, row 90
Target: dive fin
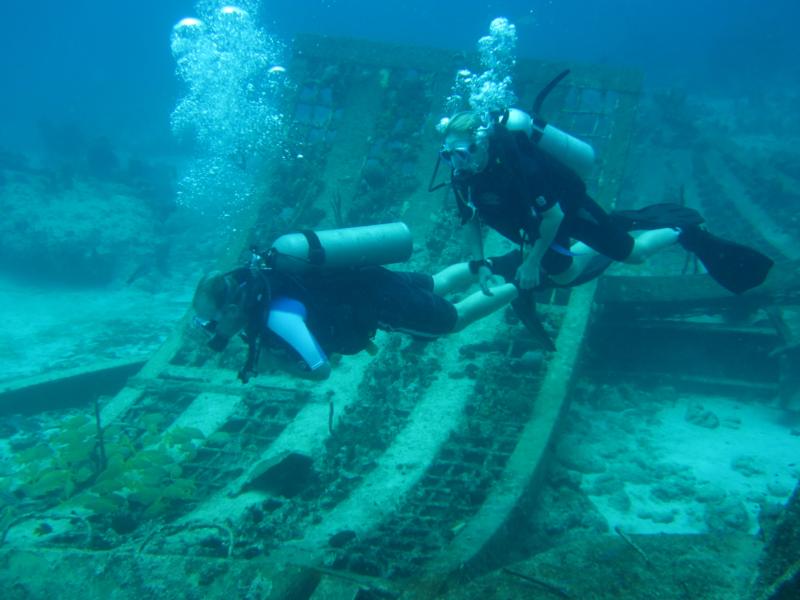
column 506, row 265
column 525, row 308
column 734, row 266
column 596, row 267
column 524, row 305
column 657, row 216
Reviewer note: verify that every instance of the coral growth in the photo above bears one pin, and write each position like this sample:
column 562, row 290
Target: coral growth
column 137, row 475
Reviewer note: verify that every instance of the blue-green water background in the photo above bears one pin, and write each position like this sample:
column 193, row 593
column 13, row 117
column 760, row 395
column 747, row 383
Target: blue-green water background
column 106, row 66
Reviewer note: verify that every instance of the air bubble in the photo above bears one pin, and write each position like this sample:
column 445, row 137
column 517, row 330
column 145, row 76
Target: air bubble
column 229, row 113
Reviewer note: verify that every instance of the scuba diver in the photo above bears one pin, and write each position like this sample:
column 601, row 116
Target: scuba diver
column 318, row 293
column 520, row 176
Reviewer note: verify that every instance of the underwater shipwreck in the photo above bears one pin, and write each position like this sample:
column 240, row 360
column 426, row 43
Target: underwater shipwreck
column 425, row 470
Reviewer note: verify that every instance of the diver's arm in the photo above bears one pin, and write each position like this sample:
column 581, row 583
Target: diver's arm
column 528, row 273
column 287, row 320
column 474, row 238
column 548, row 227
column 475, row 242
column 300, row 369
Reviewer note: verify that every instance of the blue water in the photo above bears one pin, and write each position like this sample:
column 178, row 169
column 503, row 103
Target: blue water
column 106, row 66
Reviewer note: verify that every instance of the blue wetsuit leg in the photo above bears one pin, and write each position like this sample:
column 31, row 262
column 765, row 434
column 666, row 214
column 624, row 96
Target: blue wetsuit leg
column 286, row 319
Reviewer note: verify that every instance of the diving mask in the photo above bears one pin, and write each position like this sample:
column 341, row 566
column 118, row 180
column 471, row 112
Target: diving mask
column 466, row 157
column 217, row 303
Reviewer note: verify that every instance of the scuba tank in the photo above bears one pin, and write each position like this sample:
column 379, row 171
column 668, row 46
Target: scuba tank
column 569, row 150
column 575, row 153
column 337, row 248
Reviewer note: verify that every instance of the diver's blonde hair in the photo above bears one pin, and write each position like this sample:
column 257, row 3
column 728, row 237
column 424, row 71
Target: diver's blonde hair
column 467, row 122
column 210, row 289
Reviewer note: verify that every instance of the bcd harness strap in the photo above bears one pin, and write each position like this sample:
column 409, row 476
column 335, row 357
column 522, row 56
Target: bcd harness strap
column 259, row 296
column 316, row 253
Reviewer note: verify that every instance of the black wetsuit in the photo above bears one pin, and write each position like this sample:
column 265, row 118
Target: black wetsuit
column 521, row 181
column 344, row 307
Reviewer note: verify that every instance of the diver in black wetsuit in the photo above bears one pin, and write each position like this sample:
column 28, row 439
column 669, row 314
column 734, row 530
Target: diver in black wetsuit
column 503, row 179
column 303, row 318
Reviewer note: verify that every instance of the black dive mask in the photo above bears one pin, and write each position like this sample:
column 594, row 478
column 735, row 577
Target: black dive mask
column 216, row 340
column 223, row 326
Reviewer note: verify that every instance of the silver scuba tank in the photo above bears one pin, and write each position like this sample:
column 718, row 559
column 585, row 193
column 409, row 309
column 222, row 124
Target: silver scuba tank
column 575, row 153
column 349, row 247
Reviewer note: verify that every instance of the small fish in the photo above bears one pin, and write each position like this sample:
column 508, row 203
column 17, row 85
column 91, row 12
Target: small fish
column 43, row 529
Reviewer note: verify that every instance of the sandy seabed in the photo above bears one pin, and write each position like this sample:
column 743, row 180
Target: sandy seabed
column 46, row 329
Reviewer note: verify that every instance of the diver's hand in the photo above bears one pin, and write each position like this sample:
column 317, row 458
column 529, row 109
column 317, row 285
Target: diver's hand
column 484, row 278
column 528, row 274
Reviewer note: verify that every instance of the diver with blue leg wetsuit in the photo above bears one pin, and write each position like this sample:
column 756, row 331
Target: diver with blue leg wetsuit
column 523, row 177
column 518, row 175
column 319, row 293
